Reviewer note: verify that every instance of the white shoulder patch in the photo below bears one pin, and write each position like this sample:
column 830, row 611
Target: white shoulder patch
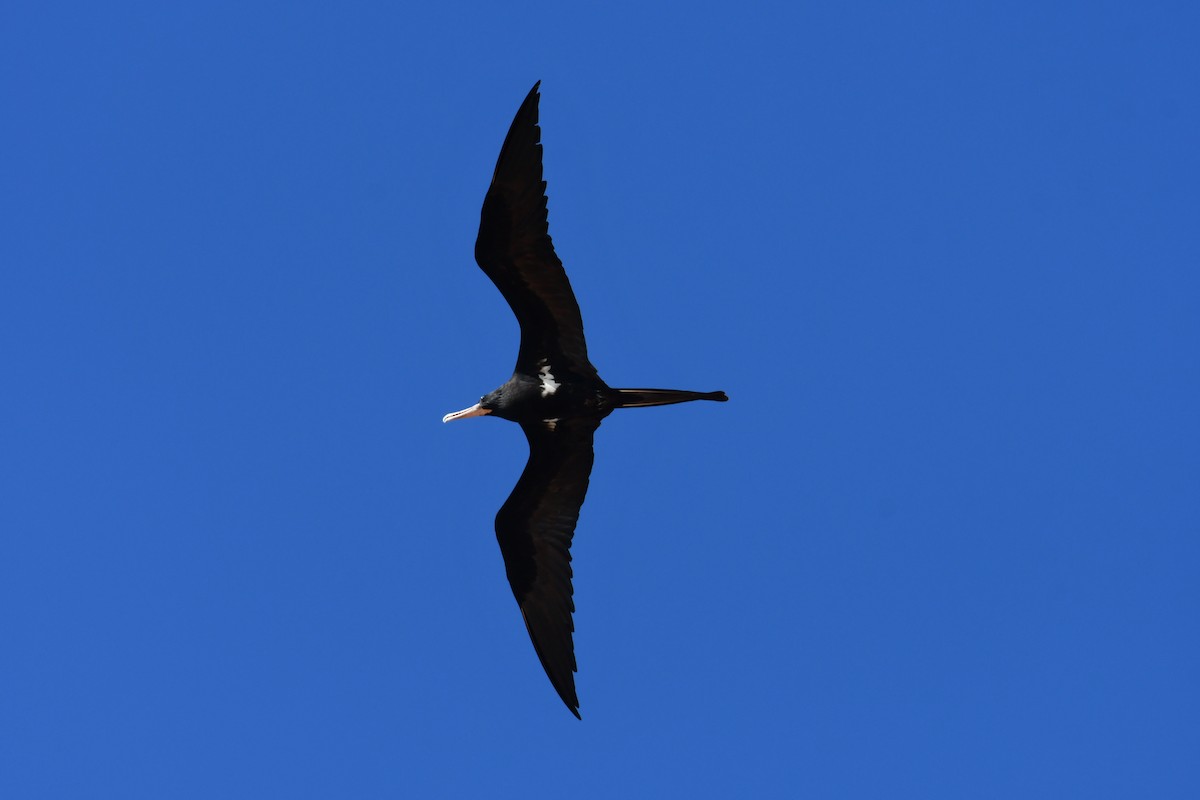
column 549, row 385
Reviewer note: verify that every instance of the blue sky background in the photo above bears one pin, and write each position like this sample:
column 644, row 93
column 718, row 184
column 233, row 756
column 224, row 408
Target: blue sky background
column 944, row 541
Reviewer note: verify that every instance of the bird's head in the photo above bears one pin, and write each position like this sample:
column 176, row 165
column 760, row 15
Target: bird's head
column 509, row 401
column 477, row 410
column 493, row 402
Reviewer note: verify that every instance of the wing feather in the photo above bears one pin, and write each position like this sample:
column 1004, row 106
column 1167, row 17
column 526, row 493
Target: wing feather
column 535, row 527
column 514, row 249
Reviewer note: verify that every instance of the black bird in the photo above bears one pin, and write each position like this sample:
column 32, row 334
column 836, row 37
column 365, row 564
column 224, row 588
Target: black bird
column 554, row 394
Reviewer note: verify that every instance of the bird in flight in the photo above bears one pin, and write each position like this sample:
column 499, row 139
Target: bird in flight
column 554, row 394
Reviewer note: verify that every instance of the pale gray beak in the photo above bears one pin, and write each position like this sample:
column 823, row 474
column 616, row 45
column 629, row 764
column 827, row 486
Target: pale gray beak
column 474, row 411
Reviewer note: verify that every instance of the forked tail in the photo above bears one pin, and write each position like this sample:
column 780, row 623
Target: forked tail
column 637, row 398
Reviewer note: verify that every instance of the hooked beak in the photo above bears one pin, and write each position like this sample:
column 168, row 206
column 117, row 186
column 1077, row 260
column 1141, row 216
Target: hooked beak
column 476, row 410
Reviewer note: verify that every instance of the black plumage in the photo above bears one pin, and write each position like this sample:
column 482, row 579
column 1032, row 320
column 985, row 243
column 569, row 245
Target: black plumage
column 555, row 394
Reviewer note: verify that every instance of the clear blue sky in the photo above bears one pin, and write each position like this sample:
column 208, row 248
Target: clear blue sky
column 943, row 542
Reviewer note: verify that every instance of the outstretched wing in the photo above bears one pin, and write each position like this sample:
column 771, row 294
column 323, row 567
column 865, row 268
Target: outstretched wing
column 514, row 250
column 534, row 528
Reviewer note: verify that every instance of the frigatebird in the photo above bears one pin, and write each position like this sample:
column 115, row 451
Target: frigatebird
column 554, row 394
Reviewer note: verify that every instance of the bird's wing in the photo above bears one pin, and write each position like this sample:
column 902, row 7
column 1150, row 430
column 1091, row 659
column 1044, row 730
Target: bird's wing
column 534, row 527
column 514, row 250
